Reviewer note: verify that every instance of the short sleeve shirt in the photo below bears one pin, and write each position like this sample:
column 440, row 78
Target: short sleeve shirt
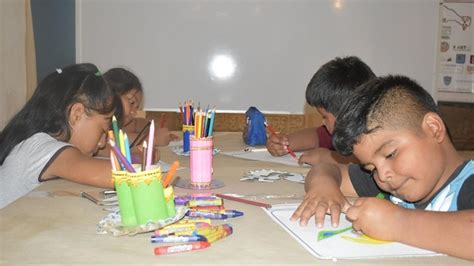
column 365, row 186
column 325, row 138
column 21, row 170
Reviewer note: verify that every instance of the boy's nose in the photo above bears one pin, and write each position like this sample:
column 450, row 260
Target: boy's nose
column 384, row 174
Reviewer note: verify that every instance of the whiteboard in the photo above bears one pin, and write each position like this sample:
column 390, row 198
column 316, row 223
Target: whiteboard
column 276, row 45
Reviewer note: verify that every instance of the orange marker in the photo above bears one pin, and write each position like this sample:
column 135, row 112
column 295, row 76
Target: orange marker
column 170, row 174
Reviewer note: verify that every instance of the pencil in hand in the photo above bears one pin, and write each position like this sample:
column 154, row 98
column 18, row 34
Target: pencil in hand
column 290, row 151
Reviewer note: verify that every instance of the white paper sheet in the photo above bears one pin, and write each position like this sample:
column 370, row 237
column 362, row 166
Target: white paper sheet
column 338, row 246
column 263, row 155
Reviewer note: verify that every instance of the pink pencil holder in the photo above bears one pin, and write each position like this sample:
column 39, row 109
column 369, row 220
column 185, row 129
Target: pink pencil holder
column 200, row 153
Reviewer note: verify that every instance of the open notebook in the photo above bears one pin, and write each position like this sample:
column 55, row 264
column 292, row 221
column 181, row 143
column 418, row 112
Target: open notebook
column 345, row 245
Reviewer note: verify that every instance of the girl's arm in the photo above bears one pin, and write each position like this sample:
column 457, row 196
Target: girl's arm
column 72, row 165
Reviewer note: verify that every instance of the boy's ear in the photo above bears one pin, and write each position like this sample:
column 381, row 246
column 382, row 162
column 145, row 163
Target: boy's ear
column 434, row 126
column 76, row 113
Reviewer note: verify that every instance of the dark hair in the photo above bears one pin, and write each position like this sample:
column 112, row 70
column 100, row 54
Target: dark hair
column 335, row 81
column 122, row 81
column 385, row 102
column 49, row 107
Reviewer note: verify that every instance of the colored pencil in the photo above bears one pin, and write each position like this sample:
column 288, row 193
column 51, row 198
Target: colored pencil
column 128, row 153
column 169, row 175
column 246, row 201
column 140, row 135
column 290, row 151
column 151, row 145
column 144, row 155
column 116, row 130
column 120, row 157
column 162, row 120
column 115, row 161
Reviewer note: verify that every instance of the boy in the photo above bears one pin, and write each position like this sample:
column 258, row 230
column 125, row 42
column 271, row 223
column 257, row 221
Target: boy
column 334, row 82
column 393, row 127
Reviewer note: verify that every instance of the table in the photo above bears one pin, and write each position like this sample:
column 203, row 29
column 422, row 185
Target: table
column 53, row 224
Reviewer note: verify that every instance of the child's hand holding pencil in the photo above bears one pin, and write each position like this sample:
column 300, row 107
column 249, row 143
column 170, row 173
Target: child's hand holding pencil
column 279, row 144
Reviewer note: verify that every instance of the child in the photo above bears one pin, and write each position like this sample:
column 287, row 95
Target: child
column 129, row 88
column 56, row 133
column 394, row 129
column 334, row 82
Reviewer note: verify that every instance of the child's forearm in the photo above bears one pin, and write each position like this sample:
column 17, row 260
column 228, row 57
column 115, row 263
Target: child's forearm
column 451, row 233
column 326, row 175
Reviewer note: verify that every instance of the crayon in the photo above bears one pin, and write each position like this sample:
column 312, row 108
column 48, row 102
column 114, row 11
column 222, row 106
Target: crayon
column 180, row 228
column 212, row 202
column 177, row 239
column 181, row 248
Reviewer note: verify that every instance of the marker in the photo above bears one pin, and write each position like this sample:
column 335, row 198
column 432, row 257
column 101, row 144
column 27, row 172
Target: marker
column 181, row 248
column 177, row 239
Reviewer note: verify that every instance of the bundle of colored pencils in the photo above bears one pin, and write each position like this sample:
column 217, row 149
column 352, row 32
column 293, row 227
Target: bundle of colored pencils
column 202, row 120
column 120, row 154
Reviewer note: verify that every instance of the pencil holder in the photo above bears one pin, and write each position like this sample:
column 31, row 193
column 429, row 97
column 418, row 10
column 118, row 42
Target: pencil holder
column 187, row 132
column 169, row 199
column 148, row 197
column 125, row 200
column 201, row 161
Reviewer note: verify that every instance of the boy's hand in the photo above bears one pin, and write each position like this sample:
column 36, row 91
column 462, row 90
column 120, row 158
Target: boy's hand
column 319, row 202
column 277, row 143
column 377, row 218
column 315, row 156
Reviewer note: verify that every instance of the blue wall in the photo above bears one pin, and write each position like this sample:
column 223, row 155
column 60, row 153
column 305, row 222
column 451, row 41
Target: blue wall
column 54, row 29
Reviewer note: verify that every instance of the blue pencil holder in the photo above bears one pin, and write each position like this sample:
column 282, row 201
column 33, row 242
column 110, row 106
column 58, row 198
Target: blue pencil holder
column 187, row 131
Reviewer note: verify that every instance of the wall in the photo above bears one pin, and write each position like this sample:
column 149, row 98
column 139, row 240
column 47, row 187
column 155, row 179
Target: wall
column 54, row 24
column 276, row 46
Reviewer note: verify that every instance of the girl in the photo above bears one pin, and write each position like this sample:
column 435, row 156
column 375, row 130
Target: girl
column 129, row 88
column 56, row 133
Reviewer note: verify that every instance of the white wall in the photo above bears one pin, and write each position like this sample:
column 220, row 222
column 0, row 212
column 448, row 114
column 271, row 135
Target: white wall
column 277, row 45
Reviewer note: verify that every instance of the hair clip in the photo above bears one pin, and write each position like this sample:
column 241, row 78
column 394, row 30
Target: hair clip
column 59, row 70
column 98, row 73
